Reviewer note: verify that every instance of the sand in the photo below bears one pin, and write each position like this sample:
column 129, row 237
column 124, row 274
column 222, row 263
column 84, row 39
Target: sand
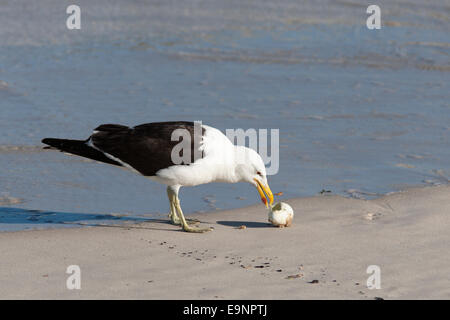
column 325, row 254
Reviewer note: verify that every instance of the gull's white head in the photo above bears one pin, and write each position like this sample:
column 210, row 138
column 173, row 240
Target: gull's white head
column 250, row 168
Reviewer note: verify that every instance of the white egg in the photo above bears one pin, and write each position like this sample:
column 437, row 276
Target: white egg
column 281, row 215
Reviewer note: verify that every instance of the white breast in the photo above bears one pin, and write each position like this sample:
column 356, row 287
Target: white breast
column 215, row 166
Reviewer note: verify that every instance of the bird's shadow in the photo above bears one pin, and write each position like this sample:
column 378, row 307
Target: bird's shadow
column 248, row 224
column 15, row 219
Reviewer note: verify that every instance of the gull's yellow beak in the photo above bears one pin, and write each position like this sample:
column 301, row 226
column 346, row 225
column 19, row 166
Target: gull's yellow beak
column 268, row 193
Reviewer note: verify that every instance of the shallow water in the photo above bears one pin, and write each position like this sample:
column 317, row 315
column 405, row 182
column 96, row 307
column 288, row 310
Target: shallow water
column 360, row 113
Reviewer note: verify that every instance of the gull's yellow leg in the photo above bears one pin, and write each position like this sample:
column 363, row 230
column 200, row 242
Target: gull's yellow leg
column 173, row 214
column 173, row 211
column 185, row 225
column 173, row 198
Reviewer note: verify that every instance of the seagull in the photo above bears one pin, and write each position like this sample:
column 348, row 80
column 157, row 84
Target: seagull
column 154, row 150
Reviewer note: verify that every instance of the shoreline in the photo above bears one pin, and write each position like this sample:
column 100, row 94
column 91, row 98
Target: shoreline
column 132, row 219
column 324, row 255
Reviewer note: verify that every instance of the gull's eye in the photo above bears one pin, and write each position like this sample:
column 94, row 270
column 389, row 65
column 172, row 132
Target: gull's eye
column 259, row 173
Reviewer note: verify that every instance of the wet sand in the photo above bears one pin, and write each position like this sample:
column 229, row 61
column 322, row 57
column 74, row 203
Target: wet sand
column 324, row 254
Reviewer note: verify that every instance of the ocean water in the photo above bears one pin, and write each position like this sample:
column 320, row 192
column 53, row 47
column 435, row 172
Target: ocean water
column 360, row 112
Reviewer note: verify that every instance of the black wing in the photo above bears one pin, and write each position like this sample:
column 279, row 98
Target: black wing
column 79, row 148
column 147, row 147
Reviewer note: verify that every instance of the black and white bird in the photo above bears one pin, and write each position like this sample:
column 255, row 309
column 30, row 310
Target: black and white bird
column 154, row 150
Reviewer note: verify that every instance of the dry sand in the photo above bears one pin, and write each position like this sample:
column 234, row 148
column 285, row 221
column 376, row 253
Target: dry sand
column 333, row 240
